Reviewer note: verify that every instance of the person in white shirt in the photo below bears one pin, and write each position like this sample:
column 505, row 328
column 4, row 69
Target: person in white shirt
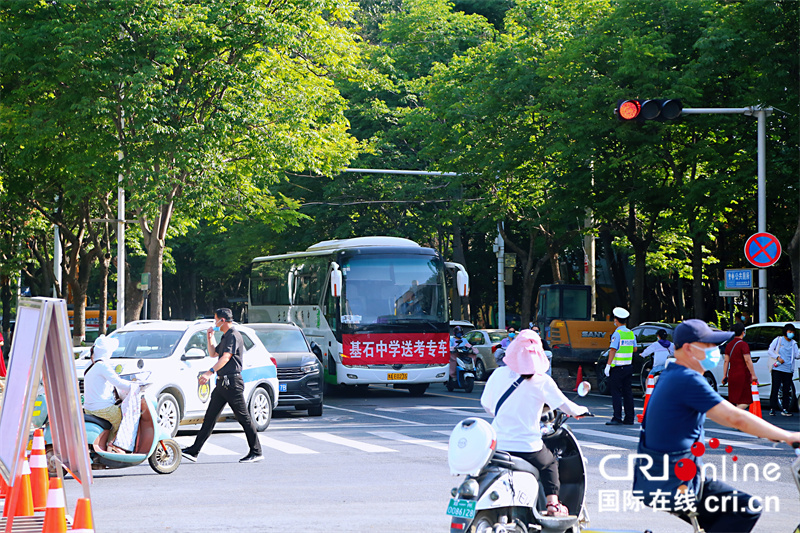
column 99, row 382
column 784, row 351
column 662, row 350
column 517, row 421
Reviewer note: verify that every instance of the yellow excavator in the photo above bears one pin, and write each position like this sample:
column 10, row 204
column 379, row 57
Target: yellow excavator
column 564, row 318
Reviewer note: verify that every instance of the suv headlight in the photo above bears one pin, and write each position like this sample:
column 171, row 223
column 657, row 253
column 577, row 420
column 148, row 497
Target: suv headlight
column 309, row 368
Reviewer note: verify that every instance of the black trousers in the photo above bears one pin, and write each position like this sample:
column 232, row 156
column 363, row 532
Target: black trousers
column 781, row 380
column 232, row 395
column 619, row 383
column 723, row 509
column 546, row 463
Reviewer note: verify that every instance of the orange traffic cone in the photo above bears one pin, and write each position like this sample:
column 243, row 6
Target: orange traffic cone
column 83, row 516
column 55, row 516
column 651, row 383
column 580, row 378
column 39, row 478
column 24, row 499
column 755, row 407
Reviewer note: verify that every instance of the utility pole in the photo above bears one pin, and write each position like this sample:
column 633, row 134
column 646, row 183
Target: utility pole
column 761, row 113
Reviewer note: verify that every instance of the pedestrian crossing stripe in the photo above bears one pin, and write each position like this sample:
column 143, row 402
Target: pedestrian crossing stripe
column 370, row 447
column 335, row 439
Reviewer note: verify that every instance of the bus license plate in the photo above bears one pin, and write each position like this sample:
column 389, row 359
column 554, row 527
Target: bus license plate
column 461, row 508
column 397, row 376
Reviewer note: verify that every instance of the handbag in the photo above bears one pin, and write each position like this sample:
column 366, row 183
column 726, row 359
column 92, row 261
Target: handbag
column 661, row 489
column 773, row 359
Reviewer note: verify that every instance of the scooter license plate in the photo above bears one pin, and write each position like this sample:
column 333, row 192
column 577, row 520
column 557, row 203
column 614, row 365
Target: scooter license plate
column 461, row 508
column 397, row 376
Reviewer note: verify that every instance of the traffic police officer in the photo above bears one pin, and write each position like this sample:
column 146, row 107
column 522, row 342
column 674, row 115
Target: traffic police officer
column 229, row 389
column 619, row 370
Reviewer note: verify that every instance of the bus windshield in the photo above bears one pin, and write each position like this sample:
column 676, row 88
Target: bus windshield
column 392, row 289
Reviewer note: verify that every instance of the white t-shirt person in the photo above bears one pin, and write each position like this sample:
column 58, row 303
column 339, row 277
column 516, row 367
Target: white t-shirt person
column 517, row 423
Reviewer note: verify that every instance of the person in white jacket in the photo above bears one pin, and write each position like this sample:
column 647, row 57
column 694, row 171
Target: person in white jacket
column 522, row 387
column 662, row 350
column 99, row 382
column 783, row 350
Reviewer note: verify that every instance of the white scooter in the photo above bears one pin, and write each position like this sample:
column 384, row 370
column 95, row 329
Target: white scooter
column 502, row 493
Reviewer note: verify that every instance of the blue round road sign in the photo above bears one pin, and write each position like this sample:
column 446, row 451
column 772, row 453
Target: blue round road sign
column 762, row 250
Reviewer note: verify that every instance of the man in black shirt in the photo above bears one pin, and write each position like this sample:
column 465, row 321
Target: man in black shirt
column 229, row 389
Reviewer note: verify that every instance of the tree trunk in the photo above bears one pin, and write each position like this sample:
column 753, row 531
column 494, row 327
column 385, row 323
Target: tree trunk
column 697, row 275
column 461, row 307
column 793, row 250
column 640, row 255
column 101, row 317
column 5, row 296
column 617, row 270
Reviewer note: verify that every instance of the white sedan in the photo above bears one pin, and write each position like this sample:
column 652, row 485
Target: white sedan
column 173, row 354
column 487, row 341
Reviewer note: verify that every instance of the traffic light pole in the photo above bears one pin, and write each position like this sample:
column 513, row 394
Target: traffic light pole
column 761, row 114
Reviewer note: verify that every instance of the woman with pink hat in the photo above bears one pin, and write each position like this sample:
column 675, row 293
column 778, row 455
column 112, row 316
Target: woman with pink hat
column 521, row 388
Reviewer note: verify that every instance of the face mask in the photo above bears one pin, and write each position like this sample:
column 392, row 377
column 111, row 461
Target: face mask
column 790, row 335
column 459, row 335
column 216, row 327
column 713, row 357
column 743, row 318
column 512, row 335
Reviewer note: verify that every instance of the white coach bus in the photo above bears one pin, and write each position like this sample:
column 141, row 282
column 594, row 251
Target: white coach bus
column 378, row 307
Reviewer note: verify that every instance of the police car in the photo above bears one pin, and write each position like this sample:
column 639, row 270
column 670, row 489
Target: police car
column 172, row 355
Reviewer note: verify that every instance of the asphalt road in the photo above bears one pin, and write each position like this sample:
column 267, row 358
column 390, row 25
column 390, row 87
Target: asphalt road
column 377, row 461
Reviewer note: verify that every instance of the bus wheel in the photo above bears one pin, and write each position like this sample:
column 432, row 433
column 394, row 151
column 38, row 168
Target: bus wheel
column 418, row 389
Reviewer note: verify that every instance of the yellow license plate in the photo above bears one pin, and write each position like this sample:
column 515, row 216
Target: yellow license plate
column 397, row 375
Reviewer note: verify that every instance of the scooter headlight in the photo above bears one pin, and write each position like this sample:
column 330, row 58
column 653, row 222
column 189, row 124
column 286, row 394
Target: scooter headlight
column 469, row 489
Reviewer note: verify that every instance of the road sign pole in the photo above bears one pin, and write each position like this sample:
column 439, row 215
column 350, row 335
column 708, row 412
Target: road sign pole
column 762, row 207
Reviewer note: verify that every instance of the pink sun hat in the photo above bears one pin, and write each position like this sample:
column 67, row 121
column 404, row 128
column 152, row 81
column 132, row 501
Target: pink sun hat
column 525, row 355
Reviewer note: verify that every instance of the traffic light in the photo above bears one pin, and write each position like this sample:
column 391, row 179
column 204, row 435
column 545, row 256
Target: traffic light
column 641, row 110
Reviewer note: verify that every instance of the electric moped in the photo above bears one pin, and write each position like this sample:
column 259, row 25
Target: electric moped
column 465, row 370
column 153, row 442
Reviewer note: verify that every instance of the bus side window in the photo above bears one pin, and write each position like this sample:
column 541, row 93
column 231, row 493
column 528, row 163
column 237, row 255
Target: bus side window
column 329, row 308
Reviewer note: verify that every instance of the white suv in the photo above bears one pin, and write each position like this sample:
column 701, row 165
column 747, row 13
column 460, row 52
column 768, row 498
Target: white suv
column 172, row 354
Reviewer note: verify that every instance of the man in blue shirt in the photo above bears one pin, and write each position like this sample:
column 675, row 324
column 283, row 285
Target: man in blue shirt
column 677, row 411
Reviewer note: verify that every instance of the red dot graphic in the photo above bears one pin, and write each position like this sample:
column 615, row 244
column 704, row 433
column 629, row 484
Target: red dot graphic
column 728, row 449
column 698, row 449
column 735, row 458
column 685, row 469
column 714, row 443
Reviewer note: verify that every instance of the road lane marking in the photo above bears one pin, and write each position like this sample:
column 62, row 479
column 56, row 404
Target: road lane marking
column 335, row 439
column 598, row 446
column 208, row 448
column 391, row 435
column 279, row 445
column 595, row 433
column 378, row 416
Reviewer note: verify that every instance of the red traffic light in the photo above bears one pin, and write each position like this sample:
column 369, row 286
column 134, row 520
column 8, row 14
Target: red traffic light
column 641, row 110
column 629, row 109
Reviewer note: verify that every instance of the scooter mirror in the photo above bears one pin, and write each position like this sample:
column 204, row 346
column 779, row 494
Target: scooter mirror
column 584, row 388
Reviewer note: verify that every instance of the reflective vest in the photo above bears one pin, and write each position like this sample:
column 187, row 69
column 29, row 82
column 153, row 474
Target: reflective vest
column 627, row 342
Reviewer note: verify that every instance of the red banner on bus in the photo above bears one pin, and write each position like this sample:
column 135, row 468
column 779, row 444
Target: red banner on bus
column 396, row 348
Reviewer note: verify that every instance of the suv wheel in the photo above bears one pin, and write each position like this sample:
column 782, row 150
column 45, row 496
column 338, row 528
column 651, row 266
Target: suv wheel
column 315, row 410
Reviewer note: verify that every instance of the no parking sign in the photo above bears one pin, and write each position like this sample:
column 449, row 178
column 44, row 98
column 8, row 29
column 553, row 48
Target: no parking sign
column 762, row 250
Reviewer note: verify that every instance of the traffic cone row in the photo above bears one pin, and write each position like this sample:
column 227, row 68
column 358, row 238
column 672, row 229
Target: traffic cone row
column 39, row 478
column 24, row 499
column 651, row 383
column 755, row 407
column 83, row 517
